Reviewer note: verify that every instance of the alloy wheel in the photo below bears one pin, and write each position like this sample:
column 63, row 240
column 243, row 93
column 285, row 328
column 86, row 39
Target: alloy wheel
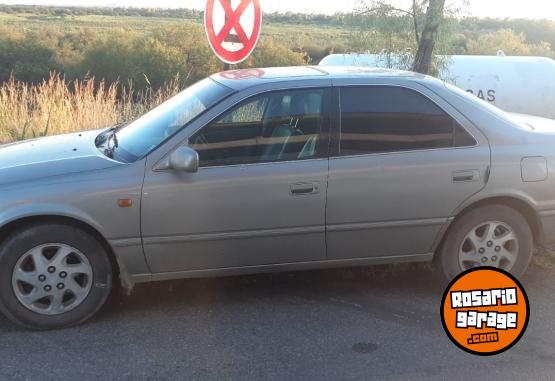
column 52, row 279
column 492, row 243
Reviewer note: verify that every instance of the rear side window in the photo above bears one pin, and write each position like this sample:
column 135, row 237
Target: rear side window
column 379, row 119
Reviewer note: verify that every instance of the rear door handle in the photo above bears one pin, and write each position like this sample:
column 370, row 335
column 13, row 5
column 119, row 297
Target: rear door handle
column 466, row 176
column 302, row 189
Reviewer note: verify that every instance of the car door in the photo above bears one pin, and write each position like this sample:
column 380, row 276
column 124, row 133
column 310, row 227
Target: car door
column 259, row 195
column 402, row 162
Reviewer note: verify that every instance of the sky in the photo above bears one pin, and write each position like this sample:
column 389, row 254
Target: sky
column 481, row 8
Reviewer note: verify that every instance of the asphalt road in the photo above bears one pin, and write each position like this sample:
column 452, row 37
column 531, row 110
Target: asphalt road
column 338, row 325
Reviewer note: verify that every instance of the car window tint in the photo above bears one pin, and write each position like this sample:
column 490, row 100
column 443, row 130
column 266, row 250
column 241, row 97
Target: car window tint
column 389, row 119
column 281, row 126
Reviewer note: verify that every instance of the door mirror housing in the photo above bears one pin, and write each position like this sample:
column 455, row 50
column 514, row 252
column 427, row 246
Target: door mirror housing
column 183, row 159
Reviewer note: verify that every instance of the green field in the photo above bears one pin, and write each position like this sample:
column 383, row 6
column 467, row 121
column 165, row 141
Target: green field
column 71, row 23
column 289, row 34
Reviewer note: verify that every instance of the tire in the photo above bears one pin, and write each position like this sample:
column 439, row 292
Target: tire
column 459, row 245
column 74, row 296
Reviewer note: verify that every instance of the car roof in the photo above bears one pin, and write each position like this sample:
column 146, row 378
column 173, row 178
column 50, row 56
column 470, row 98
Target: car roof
column 245, row 78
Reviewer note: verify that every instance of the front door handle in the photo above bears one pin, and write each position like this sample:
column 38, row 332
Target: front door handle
column 302, row 189
column 466, row 176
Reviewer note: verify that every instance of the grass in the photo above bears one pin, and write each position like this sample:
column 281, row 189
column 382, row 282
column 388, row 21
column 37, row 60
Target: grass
column 55, row 107
column 36, row 22
column 545, row 257
column 292, row 35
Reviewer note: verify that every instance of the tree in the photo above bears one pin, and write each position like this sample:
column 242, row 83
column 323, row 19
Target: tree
column 427, row 42
column 383, row 10
column 399, row 28
column 425, row 26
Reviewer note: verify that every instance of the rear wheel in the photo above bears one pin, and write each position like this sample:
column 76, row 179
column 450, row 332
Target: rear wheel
column 494, row 236
column 53, row 276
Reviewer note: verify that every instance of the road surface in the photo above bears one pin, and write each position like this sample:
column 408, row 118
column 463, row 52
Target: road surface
column 378, row 323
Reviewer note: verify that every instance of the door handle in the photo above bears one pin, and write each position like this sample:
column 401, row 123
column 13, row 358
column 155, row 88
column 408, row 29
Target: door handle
column 302, row 189
column 466, row 176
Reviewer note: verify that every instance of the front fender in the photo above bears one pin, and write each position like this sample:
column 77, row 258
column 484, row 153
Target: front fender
column 28, row 210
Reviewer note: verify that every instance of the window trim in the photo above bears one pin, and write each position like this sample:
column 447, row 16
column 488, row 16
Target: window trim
column 337, row 123
column 325, row 133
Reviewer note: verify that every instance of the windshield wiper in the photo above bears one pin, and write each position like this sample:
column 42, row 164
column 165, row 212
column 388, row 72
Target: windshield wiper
column 103, row 137
column 109, row 140
column 111, row 149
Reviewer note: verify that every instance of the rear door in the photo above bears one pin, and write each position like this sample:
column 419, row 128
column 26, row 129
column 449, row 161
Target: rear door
column 402, row 163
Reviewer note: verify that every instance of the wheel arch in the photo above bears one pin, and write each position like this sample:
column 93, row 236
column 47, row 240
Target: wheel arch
column 16, row 224
column 518, row 204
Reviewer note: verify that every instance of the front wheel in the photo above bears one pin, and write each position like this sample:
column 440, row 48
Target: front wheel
column 52, row 276
column 494, row 236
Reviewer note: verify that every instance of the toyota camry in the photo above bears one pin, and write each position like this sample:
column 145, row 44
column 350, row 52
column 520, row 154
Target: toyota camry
column 265, row 170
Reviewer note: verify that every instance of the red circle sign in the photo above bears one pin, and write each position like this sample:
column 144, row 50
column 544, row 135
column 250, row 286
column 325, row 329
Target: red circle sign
column 228, row 27
column 243, row 74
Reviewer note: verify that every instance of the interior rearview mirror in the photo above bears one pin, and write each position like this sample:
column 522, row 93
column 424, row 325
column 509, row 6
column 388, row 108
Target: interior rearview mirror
column 183, row 159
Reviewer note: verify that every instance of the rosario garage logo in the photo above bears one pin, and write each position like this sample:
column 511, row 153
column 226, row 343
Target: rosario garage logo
column 485, row 311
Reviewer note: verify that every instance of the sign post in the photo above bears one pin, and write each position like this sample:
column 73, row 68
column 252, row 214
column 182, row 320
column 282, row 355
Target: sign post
column 233, row 28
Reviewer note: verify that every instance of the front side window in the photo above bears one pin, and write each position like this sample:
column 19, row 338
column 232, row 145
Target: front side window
column 379, row 119
column 274, row 127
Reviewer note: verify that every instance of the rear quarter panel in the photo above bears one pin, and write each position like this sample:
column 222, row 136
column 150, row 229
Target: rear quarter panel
column 512, row 143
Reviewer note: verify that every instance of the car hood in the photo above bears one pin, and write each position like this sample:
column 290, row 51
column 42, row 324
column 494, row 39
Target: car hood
column 51, row 156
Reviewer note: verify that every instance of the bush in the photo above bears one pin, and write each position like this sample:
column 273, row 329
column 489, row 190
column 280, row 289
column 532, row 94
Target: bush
column 269, row 53
column 190, row 40
column 147, row 60
column 28, row 60
column 509, row 42
column 125, row 57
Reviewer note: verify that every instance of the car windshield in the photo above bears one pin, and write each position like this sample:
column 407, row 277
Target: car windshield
column 146, row 133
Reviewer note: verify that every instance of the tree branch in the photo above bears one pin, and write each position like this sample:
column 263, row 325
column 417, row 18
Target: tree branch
column 415, row 20
column 385, row 8
column 390, row 8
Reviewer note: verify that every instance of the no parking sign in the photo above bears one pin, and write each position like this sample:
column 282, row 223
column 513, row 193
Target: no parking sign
column 233, row 28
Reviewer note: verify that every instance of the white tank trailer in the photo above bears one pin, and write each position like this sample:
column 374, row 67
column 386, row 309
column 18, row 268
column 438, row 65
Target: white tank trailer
column 524, row 85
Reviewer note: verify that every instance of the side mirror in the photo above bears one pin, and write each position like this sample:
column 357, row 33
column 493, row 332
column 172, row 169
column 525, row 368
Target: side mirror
column 183, row 159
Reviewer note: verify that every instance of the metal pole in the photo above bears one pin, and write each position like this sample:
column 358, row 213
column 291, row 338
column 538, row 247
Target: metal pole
column 226, row 65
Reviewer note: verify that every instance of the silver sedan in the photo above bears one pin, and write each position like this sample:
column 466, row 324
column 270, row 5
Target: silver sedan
column 271, row 170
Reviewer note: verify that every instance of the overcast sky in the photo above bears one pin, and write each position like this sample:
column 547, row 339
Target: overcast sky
column 492, row 8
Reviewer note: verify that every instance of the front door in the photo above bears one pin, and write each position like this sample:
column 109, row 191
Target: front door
column 260, row 194
column 401, row 166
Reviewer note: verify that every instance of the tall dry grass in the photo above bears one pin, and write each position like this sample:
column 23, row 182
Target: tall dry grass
column 56, row 107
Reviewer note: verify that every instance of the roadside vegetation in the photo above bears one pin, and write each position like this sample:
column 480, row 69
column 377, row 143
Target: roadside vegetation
column 55, row 106
column 65, row 69
column 545, row 257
